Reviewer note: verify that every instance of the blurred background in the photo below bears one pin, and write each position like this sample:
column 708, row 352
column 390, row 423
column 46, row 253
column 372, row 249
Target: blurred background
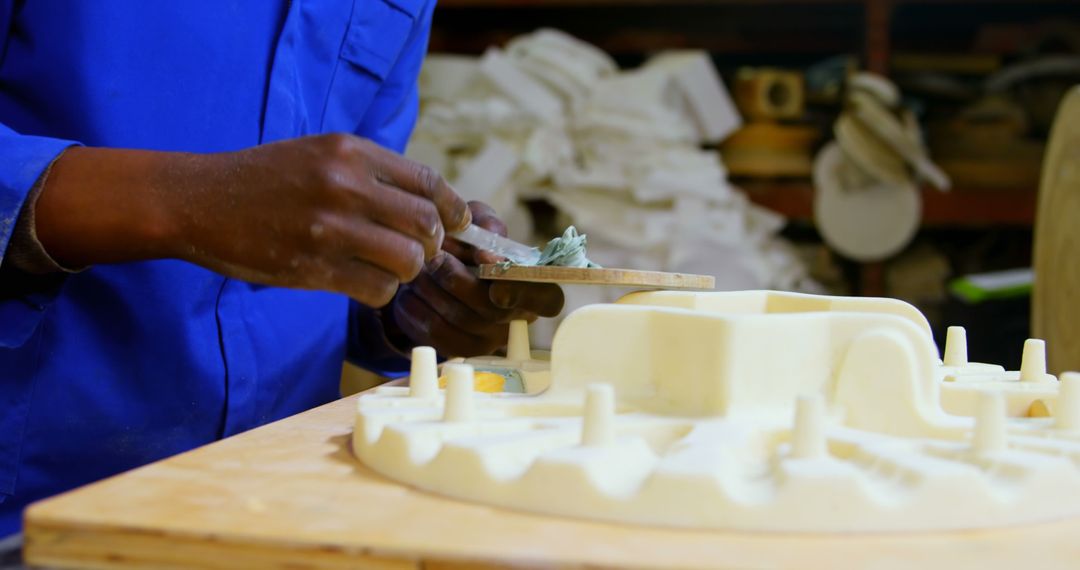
column 854, row 147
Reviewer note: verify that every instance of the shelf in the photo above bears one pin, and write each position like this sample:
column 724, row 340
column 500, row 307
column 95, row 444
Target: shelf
column 961, row 207
column 749, row 32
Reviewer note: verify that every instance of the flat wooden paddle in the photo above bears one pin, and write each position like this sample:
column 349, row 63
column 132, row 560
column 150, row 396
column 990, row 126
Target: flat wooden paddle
column 598, row 276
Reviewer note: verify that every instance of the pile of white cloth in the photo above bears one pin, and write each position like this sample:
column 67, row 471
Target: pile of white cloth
column 619, row 153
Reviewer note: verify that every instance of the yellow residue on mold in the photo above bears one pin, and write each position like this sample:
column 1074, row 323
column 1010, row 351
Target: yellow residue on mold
column 485, row 382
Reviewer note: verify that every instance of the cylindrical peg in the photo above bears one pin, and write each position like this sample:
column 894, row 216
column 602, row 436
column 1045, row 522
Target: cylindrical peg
column 1033, row 361
column 598, row 425
column 423, row 373
column 459, row 393
column 989, row 435
column 808, row 434
column 956, row 347
column 1067, row 408
column 517, row 346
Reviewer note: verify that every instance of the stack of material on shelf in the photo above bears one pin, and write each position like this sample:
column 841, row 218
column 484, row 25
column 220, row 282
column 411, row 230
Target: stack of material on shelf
column 617, row 153
column 774, row 142
column 867, row 203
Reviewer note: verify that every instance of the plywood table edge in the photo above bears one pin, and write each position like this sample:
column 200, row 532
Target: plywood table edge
column 53, row 542
column 56, row 536
column 89, row 547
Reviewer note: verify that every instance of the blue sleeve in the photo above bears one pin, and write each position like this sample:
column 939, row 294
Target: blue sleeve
column 391, row 116
column 369, row 348
column 23, row 159
column 389, row 121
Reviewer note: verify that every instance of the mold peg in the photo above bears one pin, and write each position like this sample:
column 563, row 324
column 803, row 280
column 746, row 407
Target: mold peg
column 808, row 434
column 989, row 435
column 956, row 347
column 1067, row 409
column 598, row 426
column 423, row 373
column 517, row 347
column 1033, row 361
column 459, row 393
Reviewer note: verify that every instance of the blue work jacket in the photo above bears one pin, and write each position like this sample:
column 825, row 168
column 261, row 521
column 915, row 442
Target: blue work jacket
column 120, row 365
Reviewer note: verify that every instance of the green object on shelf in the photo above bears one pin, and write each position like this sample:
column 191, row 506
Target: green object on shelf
column 982, row 287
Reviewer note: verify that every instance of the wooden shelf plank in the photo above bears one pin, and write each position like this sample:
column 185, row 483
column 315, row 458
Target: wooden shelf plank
column 961, row 207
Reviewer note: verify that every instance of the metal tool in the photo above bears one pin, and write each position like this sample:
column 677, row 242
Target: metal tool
column 483, row 239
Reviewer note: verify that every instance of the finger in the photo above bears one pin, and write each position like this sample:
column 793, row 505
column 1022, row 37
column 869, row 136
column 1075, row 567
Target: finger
column 480, row 257
column 400, row 211
column 485, row 217
column 421, row 180
column 460, row 250
column 452, row 276
column 382, row 247
column 419, row 320
column 470, row 255
column 543, row 299
column 454, row 310
column 360, row 280
column 407, row 213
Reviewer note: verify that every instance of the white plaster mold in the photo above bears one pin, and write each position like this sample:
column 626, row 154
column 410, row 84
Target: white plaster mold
column 758, row 411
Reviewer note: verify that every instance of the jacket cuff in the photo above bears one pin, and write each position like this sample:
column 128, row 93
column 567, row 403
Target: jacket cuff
column 26, row 158
column 24, row 251
column 24, row 297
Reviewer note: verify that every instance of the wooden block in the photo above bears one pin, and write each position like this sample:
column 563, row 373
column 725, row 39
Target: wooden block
column 598, row 276
column 770, row 93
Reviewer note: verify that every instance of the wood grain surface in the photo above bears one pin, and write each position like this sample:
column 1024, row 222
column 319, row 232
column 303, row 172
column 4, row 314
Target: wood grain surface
column 1055, row 314
column 291, row 495
column 598, row 276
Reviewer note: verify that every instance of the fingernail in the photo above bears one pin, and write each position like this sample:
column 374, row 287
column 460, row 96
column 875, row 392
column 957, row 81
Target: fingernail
column 507, row 299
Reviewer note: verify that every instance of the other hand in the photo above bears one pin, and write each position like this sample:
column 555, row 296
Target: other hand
column 448, row 307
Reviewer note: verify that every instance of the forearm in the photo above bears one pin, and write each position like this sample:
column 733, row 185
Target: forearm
column 111, row 205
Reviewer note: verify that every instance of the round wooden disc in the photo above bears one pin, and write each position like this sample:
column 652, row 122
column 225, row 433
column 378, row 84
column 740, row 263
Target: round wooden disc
column 858, row 217
column 1054, row 315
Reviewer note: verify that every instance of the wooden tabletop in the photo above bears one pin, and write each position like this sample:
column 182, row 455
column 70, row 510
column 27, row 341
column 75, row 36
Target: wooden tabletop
column 290, row 495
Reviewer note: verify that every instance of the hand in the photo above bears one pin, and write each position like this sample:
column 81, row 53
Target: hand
column 450, row 308
column 331, row 212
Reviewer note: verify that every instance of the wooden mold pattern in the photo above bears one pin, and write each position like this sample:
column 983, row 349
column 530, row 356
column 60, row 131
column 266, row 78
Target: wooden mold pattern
column 1057, row 242
column 598, row 276
column 290, row 494
column 746, row 410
